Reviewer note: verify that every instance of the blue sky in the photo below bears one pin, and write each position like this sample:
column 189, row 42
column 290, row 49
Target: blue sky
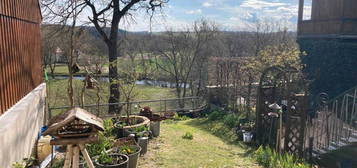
column 234, row 15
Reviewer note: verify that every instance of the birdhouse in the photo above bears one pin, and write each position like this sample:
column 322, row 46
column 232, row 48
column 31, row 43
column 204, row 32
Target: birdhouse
column 75, row 128
column 74, row 124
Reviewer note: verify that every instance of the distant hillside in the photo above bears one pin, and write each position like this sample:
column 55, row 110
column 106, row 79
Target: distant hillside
column 90, row 29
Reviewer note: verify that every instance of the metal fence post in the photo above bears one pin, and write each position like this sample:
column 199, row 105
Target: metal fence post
column 165, row 104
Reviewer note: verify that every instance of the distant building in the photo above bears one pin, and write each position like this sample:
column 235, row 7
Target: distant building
column 22, row 92
column 330, row 40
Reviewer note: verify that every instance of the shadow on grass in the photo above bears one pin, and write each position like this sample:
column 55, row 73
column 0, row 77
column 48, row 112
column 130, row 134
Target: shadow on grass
column 226, row 134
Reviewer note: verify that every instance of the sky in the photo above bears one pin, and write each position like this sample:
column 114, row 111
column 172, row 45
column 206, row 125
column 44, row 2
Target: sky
column 230, row 15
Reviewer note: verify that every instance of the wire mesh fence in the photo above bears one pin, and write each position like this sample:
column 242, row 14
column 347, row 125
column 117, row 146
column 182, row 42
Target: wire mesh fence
column 160, row 106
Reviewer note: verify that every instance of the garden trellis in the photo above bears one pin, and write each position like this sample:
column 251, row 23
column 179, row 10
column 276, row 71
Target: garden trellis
column 282, row 110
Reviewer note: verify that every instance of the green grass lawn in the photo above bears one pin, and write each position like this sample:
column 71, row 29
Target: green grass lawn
column 62, row 69
column 57, row 94
column 204, row 150
column 123, row 65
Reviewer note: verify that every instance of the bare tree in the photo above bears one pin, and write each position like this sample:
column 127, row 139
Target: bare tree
column 185, row 52
column 106, row 16
column 232, row 72
column 49, row 49
column 137, row 49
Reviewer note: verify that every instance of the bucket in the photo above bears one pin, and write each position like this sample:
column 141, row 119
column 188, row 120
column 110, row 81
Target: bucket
column 143, row 143
column 133, row 158
column 155, row 128
column 247, row 137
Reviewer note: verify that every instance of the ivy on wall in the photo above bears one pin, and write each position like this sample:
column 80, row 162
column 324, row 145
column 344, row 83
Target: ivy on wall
column 331, row 64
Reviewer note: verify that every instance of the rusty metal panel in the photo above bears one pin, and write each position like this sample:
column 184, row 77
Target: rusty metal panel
column 20, row 52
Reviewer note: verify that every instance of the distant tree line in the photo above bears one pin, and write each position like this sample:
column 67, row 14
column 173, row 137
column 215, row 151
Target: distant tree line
column 201, row 60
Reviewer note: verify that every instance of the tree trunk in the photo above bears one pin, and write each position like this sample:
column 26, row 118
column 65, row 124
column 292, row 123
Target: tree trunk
column 248, row 108
column 114, row 96
column 52, row 69
column 178, row 93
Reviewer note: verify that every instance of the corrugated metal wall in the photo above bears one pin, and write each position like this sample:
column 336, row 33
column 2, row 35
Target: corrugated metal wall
column 20, row 50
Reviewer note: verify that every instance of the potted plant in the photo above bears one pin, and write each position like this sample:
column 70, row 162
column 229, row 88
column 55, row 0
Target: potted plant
column 155, row 120
column 118, row 128
column 142, row 138
column 246, row 131
column 132, row 151
column 142, row 131
column 114, row 160
column 127, row 125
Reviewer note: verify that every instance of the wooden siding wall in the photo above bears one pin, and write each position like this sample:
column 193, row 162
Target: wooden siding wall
column 20, row 51
column 331, row 17
column 350, row 9
column 333, row 9
column 326, row 9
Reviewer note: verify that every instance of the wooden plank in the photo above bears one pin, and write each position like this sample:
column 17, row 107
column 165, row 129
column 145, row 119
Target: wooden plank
column 75, row 163
column 74, row 141
column 20, row 50
column 2, row 62
column 86, row 156
column 6, row 54
column 68, row 158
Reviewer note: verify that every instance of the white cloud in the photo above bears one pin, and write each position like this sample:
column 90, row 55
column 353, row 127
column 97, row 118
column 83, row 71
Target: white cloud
column 207, row 4
column 238, row 17
column 259, row 4
column 237, row 23
column 197, row 11
column 244, row 15
column 159, row 23
column 238, row 11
